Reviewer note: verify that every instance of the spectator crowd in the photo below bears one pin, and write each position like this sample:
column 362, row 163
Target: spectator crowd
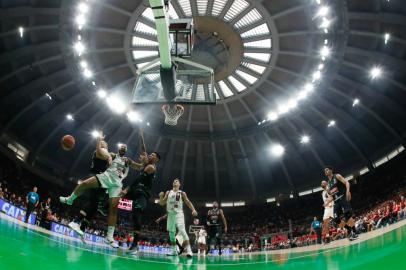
column 378, row 201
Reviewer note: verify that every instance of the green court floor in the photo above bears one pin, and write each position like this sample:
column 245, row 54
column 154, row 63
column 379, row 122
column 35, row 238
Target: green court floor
column 22, row 248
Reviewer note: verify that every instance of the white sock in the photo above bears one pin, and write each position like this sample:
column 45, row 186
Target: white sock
column 188, row 249
column 72, row 197
column 198, row 252
column 110, row 231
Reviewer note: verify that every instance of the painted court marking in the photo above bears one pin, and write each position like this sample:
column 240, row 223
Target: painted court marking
column 48, row 235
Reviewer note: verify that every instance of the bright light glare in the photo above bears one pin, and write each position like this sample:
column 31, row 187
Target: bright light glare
column 83, row 7
column 325, row 51
column 69, row 117
column 282, row 109
column 87, row 73
column 305, row 139
column 79, row 47
column 96, row 134
column 272, row 116
column 356, row 102
column 116, row 105
column 323, row 11
column 80, row 19
column 21, row 31
column 133, row 116
column 101, row 93
column 387, row 37
column 317, row 75
column 277, row 150
column 375, row 72
column 331, row 123
column 302, row 94
column 309, row 87
column 292, row 103
column 83, row 64
column 325, row 23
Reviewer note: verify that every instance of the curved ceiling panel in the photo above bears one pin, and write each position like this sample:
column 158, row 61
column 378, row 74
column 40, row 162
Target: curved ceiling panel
column 314, row 85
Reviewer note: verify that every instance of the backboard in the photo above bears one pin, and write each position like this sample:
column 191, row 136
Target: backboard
column 194, row 84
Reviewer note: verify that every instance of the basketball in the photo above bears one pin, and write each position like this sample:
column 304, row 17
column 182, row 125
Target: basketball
column 68, row 142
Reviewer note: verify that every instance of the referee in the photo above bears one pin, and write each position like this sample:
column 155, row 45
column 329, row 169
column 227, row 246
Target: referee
column 316, row 228
column 32, row 200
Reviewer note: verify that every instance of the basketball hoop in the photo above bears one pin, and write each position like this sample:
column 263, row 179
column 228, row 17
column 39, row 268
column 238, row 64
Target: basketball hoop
column 172, row 113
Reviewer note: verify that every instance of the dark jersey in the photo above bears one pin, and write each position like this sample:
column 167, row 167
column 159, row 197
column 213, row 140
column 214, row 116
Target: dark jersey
column 336, row 188
column 143, row 183
column 213, row 217
column 98, row 165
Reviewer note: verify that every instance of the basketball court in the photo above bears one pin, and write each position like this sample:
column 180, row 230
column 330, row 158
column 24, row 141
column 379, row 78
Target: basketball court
column 22, row 247
column 222, row 89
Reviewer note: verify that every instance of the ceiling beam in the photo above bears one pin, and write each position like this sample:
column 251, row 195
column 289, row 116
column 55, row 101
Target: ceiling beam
column 242, row 149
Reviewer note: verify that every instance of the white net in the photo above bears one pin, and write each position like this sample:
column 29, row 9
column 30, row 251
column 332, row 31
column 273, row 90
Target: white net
column 172, row 113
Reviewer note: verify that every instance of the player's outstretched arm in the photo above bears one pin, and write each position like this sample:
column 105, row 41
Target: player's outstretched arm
column 163, row 198
column 101, row 152
column 143, row 149
column 135, row 165
column 189, row 203
column 161, row 218
column 224, row 221
column 143, row 158
column 347, row 186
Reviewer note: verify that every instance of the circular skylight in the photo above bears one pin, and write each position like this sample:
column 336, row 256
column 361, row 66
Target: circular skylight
column 244, row 18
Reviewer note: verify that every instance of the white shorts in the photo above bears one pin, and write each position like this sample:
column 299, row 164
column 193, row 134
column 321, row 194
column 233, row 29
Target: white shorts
column 175, row 221
column 111, row 182
column 201, row 240
column 328, row 213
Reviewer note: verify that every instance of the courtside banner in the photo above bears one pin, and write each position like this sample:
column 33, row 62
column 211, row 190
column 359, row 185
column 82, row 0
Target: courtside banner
column 62, row 229
column 16, row 212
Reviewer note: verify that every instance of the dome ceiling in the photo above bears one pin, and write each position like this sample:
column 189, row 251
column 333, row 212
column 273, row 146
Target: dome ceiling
column 223, row 151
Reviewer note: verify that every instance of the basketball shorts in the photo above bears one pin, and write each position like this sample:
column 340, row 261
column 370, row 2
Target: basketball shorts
column 328, row 213
column 175, row 221
column 111, row 182
column 214, row 231
column 201, row 240
column 140, row 199
column 342, row 208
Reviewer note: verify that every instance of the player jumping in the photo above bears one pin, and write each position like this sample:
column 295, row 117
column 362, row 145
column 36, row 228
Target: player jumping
column 140, row 191
column 98, row 196
column 111, row 180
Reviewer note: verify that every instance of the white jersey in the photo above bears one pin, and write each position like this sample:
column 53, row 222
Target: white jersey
column 325, row 197
column 174, row 204
column 202, row 233
column 201, row 239
column 119, row 167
